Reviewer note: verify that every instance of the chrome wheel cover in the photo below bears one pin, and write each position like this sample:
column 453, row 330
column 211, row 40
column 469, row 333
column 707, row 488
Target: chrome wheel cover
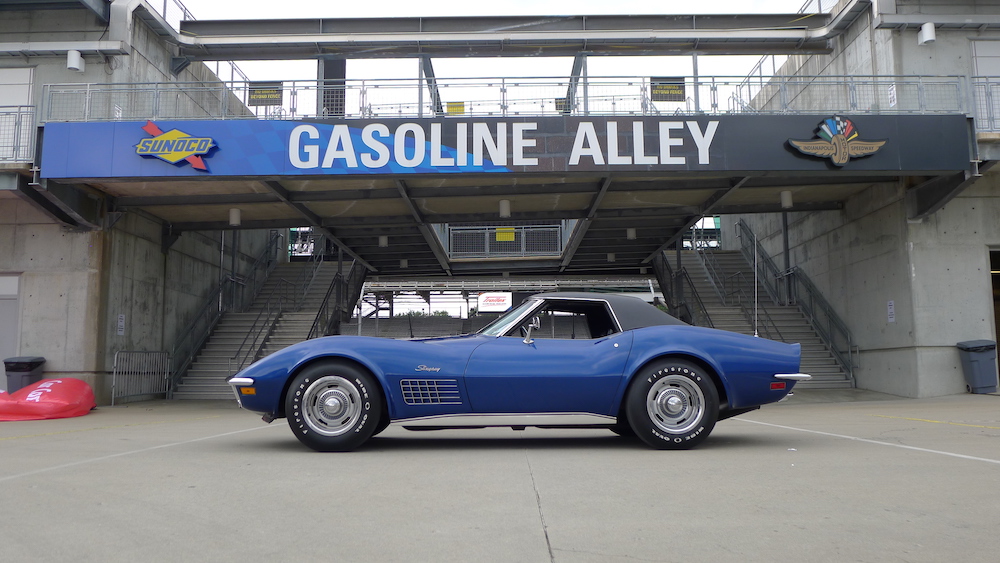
column 331, row 405
column 675, row 404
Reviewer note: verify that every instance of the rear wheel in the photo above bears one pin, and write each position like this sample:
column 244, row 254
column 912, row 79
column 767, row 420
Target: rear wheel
column 672, row 404
column 333, row 406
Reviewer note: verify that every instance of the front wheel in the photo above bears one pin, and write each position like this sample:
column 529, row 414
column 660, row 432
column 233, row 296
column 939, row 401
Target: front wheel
column 673, row 405
column 333, row 406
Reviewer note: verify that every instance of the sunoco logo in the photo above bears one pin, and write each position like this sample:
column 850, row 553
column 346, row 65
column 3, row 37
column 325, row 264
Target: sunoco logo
column 175, row 146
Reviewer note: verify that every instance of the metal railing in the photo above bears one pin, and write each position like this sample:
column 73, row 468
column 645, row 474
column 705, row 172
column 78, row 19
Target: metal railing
column 682, row 298
column 852, row 94
column 17, row 133
column 692, row 301
column 700, row 238
column 339, row 301
column 140, row 374
column 731, row 289
column 252, row 346
column 222, row 299
column 758, row 316
column 285, row 296
column 768, row 272
column 795, row 287
column 303, row 282
column 504, row 241
column 986, row 97
column 508, row 97
column 505, row 97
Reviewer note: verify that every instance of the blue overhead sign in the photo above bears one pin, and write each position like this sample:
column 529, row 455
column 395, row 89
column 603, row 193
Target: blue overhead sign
column 738, row 143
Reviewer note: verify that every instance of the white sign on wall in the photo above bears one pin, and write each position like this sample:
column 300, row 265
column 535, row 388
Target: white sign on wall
column 121, row 325
column 495, row 302
column 892, row 311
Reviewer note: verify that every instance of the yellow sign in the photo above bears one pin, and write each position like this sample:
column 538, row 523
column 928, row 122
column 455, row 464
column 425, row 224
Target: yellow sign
column 666, row 89
column 456, row 108
column 505, row 234
column 265, row 94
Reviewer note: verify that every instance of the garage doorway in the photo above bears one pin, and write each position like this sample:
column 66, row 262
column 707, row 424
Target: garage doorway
column 9, row 320
column 995, row 275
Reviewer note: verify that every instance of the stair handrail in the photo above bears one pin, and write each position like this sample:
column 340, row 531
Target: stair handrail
column 700, row 309
column 742, row 298
column 303, row 282
column 767, row 271
column 716, row 276
column 262, row 327
column 824, row 319
column 680, row 307
column 322, row 320
column 196, row 333
column 328, row 315
column 665, row 278
column 260, row 269
column 804, row 293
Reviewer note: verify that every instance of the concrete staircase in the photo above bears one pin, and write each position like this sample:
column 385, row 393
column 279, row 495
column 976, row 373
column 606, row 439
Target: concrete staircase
column 790, row 323
column 206, row 378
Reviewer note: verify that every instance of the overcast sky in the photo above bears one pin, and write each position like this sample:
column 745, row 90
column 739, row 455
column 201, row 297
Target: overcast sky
column 597, row 66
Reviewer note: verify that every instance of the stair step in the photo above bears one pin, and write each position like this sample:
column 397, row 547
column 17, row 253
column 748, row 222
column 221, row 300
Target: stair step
column 786, row 323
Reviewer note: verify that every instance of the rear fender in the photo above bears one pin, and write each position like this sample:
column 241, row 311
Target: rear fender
column 712, row 371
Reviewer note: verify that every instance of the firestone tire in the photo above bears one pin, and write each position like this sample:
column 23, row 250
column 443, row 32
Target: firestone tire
column 672, row 405
column 333, row 406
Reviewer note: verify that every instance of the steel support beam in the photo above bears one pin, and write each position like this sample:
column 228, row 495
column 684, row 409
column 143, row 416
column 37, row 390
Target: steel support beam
column 432, row 86
column 516, row 35
column 67, row 204
column 929, row 197
column 314, row 220
column 425, row 230
column 705, row 208
column 579, row 62
column 584, row 225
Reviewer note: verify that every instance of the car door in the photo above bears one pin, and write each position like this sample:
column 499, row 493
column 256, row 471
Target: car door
column 565, row 370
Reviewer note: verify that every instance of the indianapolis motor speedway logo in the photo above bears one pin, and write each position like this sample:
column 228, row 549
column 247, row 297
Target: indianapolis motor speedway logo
column 175, row 146
column 837, row 140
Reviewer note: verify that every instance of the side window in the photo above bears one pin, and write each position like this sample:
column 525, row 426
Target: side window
column 570, row 320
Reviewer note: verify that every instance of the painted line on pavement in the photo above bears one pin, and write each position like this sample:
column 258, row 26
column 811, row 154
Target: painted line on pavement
column 44, row 434
column 938, row 422
column 122, row 454
column 868, row 441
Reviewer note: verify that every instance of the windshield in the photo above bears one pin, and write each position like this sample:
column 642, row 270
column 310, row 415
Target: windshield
column 503, row 324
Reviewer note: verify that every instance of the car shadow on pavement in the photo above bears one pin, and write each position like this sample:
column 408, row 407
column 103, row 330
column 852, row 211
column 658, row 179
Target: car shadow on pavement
column 442, row 442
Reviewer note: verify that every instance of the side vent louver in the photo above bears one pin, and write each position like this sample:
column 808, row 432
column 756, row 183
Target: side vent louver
column 430, row 392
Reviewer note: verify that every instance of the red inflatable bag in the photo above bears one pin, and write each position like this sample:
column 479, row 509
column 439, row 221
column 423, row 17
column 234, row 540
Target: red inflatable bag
column 49, row 398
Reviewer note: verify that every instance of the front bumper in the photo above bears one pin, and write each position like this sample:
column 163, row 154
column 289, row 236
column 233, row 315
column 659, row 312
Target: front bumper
column 240, row 386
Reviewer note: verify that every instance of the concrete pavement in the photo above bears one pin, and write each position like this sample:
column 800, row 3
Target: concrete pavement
column 826, row 476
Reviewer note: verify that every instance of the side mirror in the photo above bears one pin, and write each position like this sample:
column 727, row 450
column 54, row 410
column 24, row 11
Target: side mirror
column 535, row 324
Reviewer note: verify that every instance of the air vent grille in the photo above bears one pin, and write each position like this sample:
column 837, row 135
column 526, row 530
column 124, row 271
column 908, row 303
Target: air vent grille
column 430, row 392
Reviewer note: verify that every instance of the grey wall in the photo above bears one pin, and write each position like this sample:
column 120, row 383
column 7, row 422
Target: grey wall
column 59, row 287
column 74, row 285
column 158, row 293
column 936, row 271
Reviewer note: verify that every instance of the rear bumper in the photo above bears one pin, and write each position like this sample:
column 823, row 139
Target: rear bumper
column 793, row 376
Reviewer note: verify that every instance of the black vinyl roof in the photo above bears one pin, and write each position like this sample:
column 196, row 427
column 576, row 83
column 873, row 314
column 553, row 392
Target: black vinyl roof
column 632, row 312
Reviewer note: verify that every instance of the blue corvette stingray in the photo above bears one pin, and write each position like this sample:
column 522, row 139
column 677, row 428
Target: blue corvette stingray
column 572, row 360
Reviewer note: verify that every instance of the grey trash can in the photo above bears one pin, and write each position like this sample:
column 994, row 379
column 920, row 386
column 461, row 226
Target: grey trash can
column 979, row 363
column 22, row 371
